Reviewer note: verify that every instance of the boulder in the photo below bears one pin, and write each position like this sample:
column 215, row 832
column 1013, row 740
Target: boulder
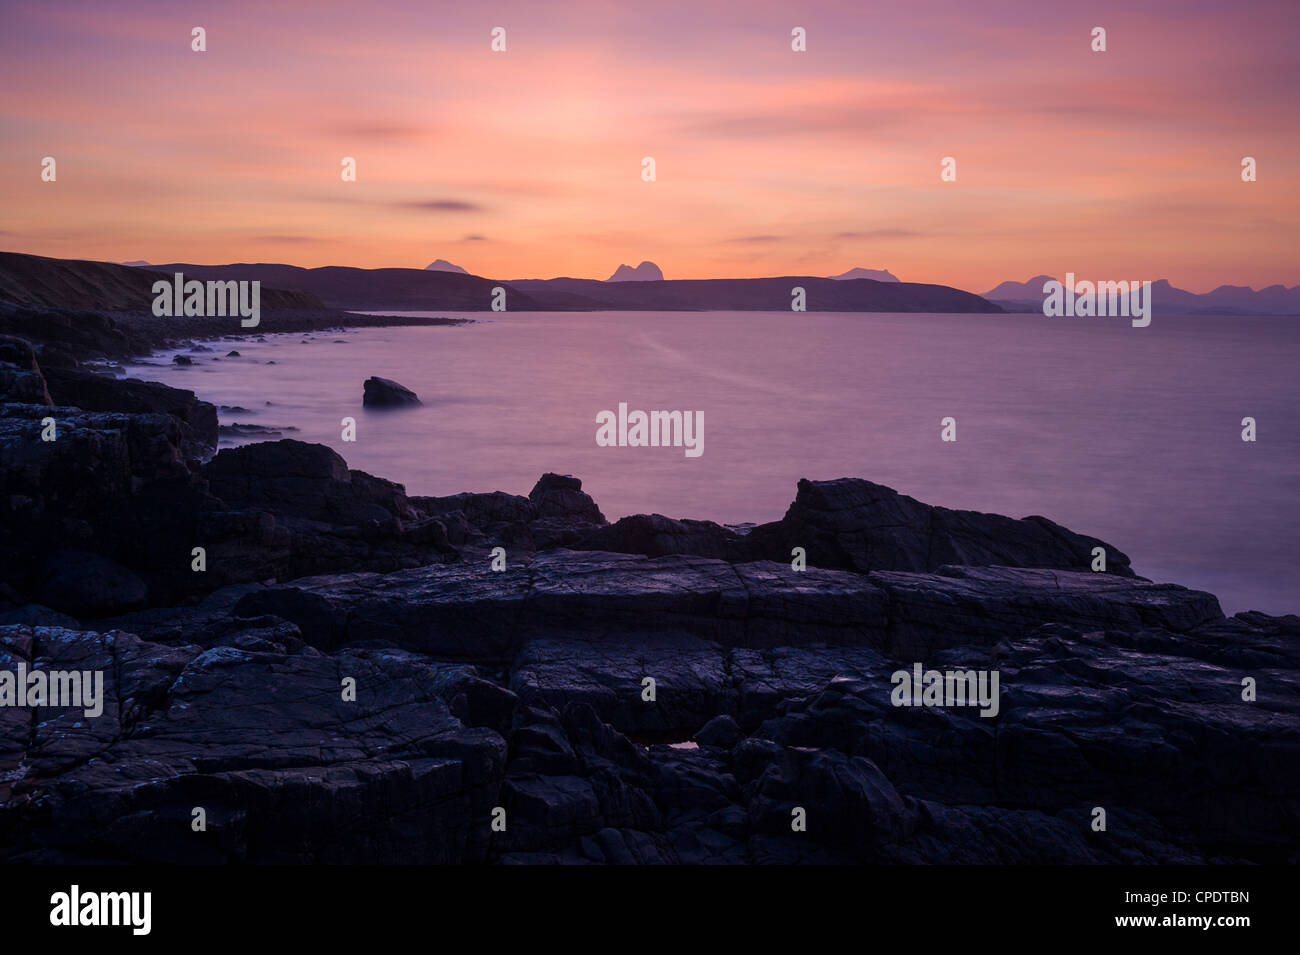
column 385, row 393
column 294, row 478
column 561, row 496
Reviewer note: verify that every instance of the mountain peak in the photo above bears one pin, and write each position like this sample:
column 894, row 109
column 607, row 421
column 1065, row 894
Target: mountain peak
column 442, row 265
column 878, row 275
column 645, row 272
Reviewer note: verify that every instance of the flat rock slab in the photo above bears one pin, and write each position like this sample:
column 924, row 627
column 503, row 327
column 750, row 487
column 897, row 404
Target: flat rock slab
column 960, row 606
column 695, row 680
column 466, row 611
column 286, row 769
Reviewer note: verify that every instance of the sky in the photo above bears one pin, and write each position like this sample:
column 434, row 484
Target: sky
column 527, row 163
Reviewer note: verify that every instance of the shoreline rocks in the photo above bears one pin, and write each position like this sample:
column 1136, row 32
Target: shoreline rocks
column 525, row 687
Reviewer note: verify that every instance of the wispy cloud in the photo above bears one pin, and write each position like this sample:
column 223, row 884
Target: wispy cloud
column 440, row 205
column 880, row 234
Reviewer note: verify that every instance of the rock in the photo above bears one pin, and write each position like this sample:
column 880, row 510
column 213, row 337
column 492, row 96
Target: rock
column 20, row 377
column 312, row 481
column 182, row 360
column 383, row 393
column 239, row 429
column 561, row 495
column 232, row 354
column 333, row 518
column 34, row 615
column 852, row 524
column 654, row 535
column 87, row 334
column 695, row 680
column 93, row 392
column 489, row 512
column 466, row 612
column 524, row 688
column 88, row 585
column 595, row 596
column 1161, row 725
column 275, row 777
column 54, row 355
column 556, row 514
column 959, row 606
column 850, row 802
column 721, row 731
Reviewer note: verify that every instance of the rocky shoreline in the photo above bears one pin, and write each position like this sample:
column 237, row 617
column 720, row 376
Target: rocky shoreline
column 498, row 648
column 72, row 337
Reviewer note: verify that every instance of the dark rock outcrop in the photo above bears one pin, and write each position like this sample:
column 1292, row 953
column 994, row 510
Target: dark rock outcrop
column 556, row 513
column 85, row 584
column 383, row 393
column 654, row 535
column 852, row 524
column 92, row 392
column 20, row 377
column 286, row 768
column 465, row 610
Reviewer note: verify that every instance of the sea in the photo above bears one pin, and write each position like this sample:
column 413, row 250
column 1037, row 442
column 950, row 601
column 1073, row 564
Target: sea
column 1133, row 435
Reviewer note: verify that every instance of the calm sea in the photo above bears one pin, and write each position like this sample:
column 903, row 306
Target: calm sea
column 1133, row 435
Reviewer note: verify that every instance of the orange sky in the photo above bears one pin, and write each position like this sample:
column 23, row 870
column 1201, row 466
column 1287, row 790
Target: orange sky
column 1124, row 164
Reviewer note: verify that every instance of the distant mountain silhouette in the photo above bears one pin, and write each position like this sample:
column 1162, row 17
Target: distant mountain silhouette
column 765, row 294
column 1224, row 300
column 34, row 280
column 366, row 289
column 878, row 275
column 442, row 265
column 139, row 264
column 645, row 272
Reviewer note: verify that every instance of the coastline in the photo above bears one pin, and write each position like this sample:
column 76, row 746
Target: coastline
column 500, row 647
column 91, row 335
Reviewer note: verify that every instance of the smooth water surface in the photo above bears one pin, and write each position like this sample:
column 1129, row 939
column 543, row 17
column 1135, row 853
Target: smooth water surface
column 1132, row 435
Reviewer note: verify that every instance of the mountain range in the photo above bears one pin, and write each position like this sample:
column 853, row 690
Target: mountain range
column 67, row 283
column 70, row 283
column 1224, row 300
